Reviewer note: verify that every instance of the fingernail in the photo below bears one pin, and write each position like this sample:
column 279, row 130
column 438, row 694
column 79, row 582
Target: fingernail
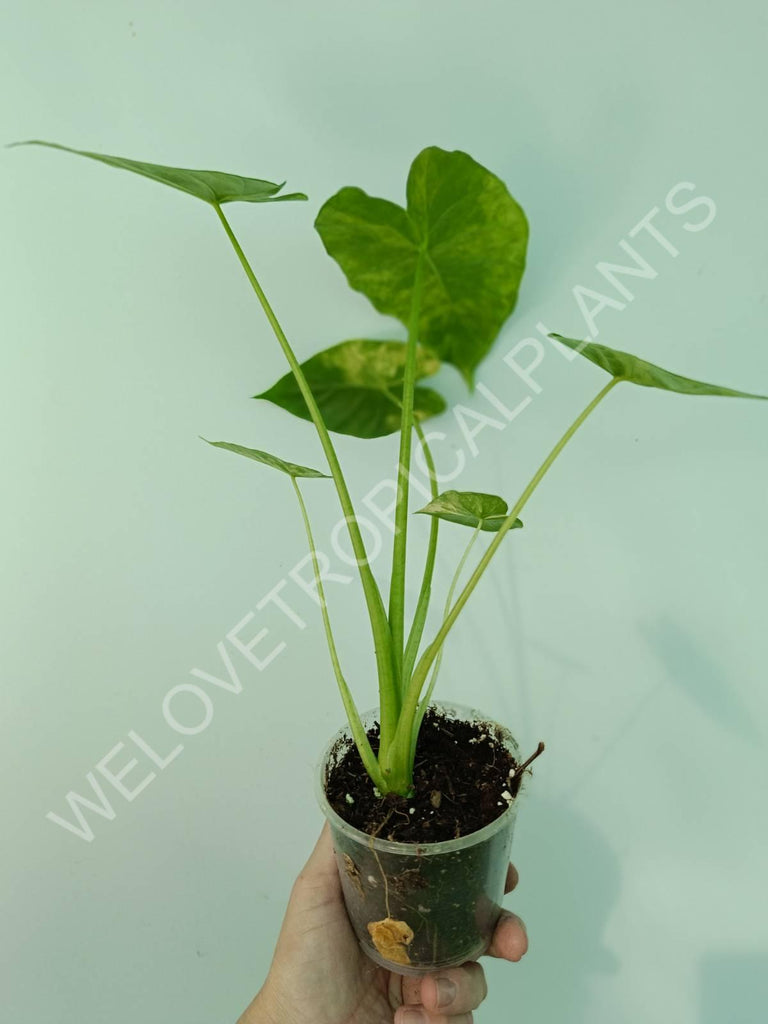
column 412, row 1017
column 446, row 991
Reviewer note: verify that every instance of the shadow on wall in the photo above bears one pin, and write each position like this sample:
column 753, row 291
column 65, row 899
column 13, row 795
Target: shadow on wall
column 697, row 673
column 734, row 988
column 571, row 878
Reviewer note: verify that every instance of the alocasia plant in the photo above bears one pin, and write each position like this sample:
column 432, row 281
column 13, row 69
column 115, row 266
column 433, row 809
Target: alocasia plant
column 448, row 266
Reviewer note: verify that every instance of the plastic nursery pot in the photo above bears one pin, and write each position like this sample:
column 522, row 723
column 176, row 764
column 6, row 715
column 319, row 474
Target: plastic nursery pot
column 421, row 907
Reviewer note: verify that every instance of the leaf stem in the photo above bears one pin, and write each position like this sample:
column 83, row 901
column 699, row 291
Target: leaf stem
column 400, row 750
column 422, row 605
column 438, row 660
column 399, row 546
column 389, row 696
column 355, row 723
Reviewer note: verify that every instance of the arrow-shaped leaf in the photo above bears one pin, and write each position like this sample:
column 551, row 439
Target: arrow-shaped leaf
column 474, row 237
column 266, row 459
column 631, row 368
column 470, row 508
column 357, row 385
column 213, row 187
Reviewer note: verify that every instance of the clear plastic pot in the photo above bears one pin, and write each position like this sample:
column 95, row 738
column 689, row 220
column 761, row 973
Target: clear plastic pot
column 421, row 907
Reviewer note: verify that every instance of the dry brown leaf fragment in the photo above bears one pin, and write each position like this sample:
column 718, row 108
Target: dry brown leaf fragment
column 390, row 938
column 353, row 874
column 408, row 880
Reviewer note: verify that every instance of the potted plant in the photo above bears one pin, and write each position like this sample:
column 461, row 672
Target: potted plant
column 421, row 796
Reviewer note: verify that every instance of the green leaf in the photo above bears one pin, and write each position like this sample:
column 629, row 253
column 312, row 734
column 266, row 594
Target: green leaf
column 268, row 460
column 474, row 237
column 357, row 385
column 469, row 508
column 213, row 187
column 627, row 367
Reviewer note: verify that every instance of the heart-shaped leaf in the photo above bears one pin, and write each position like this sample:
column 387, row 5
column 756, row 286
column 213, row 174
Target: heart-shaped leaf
column 470, row 508
column 266, row 459
column 624, row 366
column 213, row 187
column 473, row 235
column 357, row 385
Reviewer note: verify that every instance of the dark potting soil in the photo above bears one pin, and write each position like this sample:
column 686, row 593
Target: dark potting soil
column 464, row 778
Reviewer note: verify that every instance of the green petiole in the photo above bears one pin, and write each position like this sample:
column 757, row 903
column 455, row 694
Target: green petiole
column 397, row 763
column 399, row 547
column 388, row 691
column 422, row 604
column 438, row 660
column 358, row 730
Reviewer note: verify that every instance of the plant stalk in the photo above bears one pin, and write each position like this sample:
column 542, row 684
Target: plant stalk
column 421, row 711
column 389, row 695
column 355, row 724
column 399, row 752
column 399, row 546
column 422, row 605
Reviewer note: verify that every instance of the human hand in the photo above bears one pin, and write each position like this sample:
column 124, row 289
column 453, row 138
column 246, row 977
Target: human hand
column 320, row 975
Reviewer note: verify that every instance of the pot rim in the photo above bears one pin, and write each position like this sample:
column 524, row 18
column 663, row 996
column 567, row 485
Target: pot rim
column 505, row 819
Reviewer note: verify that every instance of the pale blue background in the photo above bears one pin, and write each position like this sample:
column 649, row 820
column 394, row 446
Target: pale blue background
column 625, row 626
